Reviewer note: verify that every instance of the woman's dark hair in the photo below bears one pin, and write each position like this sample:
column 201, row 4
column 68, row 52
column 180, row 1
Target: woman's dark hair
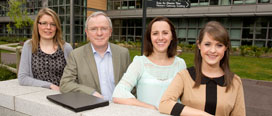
column 220, row 34
column 148, row 47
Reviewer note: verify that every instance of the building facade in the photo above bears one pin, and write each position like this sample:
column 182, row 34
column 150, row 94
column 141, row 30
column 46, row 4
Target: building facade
column 64, row 8
column 249, row 22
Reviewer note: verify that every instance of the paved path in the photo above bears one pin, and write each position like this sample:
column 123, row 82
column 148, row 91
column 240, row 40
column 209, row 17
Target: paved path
column 258, row 94
column 258, row 97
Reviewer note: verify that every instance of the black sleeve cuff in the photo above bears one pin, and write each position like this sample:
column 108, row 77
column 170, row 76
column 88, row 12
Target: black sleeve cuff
column 177, row 109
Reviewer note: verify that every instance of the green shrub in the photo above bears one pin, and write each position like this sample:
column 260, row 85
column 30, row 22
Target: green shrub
column 12, row 39
column 6, row 74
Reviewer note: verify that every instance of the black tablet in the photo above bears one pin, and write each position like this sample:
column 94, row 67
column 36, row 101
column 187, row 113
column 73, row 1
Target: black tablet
column 78, row 101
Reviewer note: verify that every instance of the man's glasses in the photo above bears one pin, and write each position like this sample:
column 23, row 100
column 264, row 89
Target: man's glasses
column 45, row 24
column 95, row 29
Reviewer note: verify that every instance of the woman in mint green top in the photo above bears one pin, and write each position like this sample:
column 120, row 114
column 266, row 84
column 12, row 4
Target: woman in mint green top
column 154, row 71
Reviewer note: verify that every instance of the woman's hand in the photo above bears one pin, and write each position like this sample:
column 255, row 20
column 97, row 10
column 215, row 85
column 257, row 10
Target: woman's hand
column 54, row 87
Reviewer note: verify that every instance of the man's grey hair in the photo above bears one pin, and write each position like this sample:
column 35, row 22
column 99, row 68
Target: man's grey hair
column 95, row 14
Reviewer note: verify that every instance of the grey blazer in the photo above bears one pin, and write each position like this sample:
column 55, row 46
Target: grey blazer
column 80, row 73
column 25, row 75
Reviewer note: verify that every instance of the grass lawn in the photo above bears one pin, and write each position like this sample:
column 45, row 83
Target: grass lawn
column 245, row 67
column 3, row 42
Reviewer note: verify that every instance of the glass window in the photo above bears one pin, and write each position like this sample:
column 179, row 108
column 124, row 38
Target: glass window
column 175, row 22
column 192, row 22
column 61, row 2
column 50, row 2
column 182, row 33
column 77, row 20
column 130, row 23
column 138, row 22
column 236, row 22
column 138, row 3
column 260, row 33
column 67, row 1
column 67, row 9
column 68, row 29
column 124, row 23
column 131, row 4
column 55, row 9
column 203, row 21
column 264, row 1
column 138, row 31
column 260, row 43
column 110, row 5
column 214, row 2
column 225, row 22
column 124, row 31
column 204, row 2
column 62, row 11
column 130, row 31
column 261, row 22
column 115, row 31
column 235, row 43
column 183, row 23
column 125, row 5
column 77, row 2
column 194, row 2
column 247, row 33
column 225, row 2
column 115, row 38
column 249, row 22
column 116, row 5
column 237, row 1
column 270, row 34
column 78, row 29
column 55, row 2
column 77, row 10
column 269, row 44
column 247, row 42
column 67, row 38
column 192, row 33
column 116, row 23
column 250, row 1
column 235, row 33
column 68, row 19
column 62, row 20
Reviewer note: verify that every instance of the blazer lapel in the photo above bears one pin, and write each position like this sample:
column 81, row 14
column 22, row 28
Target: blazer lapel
column 90, row 61
column 116, row 63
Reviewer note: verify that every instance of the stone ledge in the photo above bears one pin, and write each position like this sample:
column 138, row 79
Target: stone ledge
column 16, row 100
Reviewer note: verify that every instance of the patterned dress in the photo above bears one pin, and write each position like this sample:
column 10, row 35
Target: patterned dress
column 48, row 67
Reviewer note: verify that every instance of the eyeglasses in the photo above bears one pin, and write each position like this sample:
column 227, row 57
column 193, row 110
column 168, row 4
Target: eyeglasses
column 95, row 29
column 45, row 24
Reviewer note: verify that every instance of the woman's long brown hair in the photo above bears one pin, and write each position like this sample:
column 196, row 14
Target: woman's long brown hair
column 220, row 34
column 35, row 32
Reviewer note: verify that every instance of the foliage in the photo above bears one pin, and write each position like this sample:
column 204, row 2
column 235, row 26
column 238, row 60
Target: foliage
column 18, row 13
column 6, row 74
column 12, row 39
column 254, row 51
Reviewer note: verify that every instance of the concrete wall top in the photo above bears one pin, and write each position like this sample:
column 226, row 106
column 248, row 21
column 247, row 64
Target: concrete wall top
column 25, row 100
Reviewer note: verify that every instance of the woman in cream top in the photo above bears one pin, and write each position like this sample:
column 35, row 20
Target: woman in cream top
column 151, row 73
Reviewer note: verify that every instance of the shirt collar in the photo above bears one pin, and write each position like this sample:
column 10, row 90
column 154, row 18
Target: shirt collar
column 107, row 51
column 205, row 80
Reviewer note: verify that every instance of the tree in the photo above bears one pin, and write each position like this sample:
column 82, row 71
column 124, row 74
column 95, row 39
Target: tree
column 18, row 13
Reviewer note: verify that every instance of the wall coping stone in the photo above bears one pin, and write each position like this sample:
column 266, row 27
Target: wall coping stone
column 26, row 100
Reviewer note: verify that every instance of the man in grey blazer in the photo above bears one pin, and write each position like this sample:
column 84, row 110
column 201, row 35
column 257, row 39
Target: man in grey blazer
column 95, row 68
